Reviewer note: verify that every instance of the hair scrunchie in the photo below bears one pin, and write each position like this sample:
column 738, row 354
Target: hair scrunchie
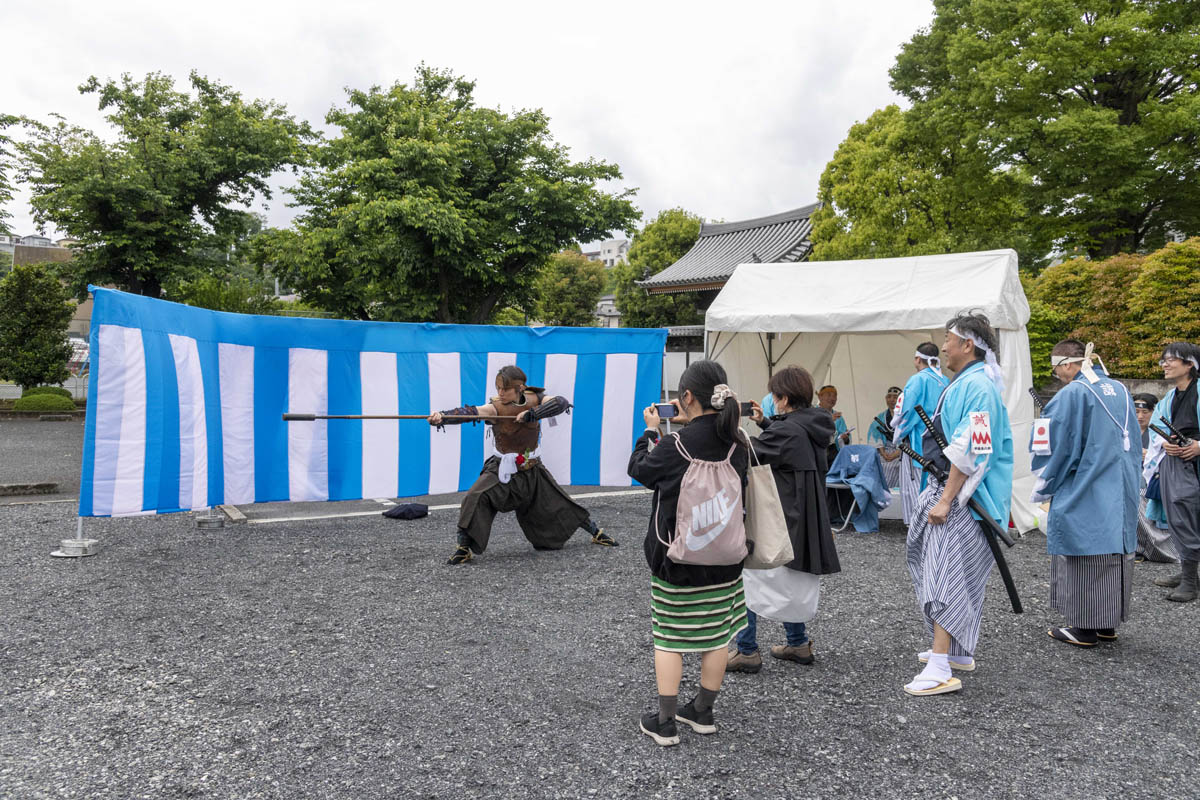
column 720, row 394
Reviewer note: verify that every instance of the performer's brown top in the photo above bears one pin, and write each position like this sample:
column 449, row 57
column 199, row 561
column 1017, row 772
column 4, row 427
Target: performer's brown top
column 511, row 436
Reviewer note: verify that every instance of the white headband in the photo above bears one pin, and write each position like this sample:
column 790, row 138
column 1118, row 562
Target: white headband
column 991, row 366
column 720, row 394
column 934, row 360
column 1085, row 360
column 1190, row 359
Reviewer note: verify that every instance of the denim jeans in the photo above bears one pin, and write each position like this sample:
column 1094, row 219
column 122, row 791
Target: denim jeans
column 747, row 640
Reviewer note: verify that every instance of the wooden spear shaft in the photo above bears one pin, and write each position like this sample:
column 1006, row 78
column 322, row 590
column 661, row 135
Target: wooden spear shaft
column 313, row 417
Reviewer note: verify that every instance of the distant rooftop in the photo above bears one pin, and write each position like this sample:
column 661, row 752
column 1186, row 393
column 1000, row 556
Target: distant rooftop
column 722, row 246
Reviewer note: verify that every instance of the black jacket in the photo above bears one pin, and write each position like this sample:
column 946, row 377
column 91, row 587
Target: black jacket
column 662, row 470
column 794, row 444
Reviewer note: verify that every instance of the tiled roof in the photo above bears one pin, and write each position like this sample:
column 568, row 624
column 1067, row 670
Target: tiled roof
column 721, row 247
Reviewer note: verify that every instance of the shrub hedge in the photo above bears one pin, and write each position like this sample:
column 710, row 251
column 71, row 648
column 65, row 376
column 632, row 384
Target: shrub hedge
column 44, row 402
column 58, row 390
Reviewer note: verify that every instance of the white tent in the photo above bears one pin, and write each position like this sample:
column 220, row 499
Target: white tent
column 856, row 324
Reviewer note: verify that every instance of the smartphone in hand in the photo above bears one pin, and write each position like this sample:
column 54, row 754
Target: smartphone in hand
column 666, row 410
column 747, row 408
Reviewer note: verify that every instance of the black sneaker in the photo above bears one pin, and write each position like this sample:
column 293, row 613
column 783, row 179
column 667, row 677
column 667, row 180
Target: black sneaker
column 600, row 537
column 462, row 554
column 665, row 733
column 700, row 721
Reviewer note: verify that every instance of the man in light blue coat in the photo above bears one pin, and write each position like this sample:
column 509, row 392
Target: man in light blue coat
column 922, row 389
column 1087, row 458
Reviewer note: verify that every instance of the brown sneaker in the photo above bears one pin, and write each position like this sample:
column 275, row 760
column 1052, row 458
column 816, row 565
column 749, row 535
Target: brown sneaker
column 801, row 655
column 739, row 662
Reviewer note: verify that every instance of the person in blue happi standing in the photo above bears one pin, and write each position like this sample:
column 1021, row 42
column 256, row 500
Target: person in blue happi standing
column 948, row 556
column 922, row 389
column 1087, row 457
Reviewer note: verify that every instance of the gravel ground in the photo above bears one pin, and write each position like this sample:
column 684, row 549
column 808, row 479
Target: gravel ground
column 34, row 451
column 342, row 658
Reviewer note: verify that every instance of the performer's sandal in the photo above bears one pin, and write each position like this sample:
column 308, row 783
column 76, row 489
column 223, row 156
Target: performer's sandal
column 600, row 537
column 1106, row 634
column 945, row 687
column 461, row 555
column 1075, row 636
column 962, row 666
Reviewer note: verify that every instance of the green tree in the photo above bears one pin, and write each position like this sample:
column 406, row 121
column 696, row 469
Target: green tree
column 657, row 246
column 1098, row 103
column 425, row 206
column 238, row 294
column 34, row 315
column 904, row 183
column 156, row 204
column 569, row 288
column 1162, row 303
column 6, row 163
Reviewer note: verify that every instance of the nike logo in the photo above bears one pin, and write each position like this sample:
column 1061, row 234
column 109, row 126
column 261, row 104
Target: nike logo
column 717, row 510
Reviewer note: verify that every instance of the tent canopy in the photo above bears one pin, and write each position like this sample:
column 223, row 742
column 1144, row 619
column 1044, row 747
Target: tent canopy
column 856, row 325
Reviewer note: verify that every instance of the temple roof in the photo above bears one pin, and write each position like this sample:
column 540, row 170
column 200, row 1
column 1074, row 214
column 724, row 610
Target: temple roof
column 722, row 246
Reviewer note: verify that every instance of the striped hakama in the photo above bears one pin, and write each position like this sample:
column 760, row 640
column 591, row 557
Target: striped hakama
column 910, row 487
column 891, row 471
column 1091, row 591
column 949, row 565
column 696, row 619
column 1153, row 542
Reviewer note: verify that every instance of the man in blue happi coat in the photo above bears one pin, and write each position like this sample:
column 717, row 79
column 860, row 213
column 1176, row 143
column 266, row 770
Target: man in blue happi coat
column 1176, row 463
column 922, row 389
column 1087, row 457
column 882, row 434
column 948, row 555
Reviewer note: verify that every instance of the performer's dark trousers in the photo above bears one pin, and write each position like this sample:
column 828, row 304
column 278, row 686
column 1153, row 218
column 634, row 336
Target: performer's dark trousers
column 547, row 515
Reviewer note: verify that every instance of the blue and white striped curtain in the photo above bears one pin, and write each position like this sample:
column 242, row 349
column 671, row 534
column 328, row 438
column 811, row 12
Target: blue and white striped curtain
column 185, row 405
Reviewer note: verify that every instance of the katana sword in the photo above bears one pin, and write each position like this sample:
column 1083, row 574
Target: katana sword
column 1038, row 408
column 313, row 417
column 1167, row 437
column 1183, row 441
column 991, row 529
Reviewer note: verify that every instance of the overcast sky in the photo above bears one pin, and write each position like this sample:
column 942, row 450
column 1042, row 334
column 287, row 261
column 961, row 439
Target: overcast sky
column 729, row 110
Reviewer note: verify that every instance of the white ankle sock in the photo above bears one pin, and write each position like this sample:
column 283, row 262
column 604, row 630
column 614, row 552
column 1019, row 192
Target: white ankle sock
column 936, row 672
column 967, row 660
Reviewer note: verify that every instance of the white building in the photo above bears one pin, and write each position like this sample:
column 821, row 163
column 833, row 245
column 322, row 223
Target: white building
column 606, row 313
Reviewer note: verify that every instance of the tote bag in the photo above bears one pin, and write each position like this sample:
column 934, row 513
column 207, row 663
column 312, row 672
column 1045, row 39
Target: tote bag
column 766, row 524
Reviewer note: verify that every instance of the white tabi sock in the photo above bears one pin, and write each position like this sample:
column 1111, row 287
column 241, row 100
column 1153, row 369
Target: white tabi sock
column 936, row 672
column 965, row 661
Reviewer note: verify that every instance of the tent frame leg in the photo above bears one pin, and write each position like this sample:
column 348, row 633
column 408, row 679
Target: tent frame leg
column 78, row 547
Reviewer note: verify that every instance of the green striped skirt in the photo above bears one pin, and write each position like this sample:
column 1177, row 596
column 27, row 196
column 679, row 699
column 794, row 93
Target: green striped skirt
column 695, row 619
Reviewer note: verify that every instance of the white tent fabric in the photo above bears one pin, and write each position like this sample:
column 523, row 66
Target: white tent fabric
column 856, row 324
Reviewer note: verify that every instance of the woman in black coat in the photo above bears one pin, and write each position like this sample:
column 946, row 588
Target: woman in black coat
column 794, row 444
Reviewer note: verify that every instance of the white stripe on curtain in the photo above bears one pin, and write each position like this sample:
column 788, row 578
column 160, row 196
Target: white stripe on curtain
column 616, row 431
column 236, row 370
column 129, row 483
column 445, row 392
column 556, row 439
column 193, row 432
column 380, row 437
column 308, row 444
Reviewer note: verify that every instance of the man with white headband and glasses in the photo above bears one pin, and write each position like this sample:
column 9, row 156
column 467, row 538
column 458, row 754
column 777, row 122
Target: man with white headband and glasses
column 1087, row 456
column 948, row 557
column 922, row 389
column 1176, row 464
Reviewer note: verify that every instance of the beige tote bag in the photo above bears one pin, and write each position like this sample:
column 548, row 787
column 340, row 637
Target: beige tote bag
column 766, row 525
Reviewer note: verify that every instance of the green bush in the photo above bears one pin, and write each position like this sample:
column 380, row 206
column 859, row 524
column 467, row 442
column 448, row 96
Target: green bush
column 44, row 402
column 58, row 390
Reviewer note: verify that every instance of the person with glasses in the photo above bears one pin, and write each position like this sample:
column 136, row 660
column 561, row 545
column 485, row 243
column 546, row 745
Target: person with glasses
column 1176, row 462
column 1087, row 458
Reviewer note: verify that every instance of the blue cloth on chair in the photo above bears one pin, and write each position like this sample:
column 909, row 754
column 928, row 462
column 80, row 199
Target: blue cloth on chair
column 859, row 466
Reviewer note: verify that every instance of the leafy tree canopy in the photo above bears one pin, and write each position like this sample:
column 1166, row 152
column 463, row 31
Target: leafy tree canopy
column 427, row 207
column 1098, row 103
column 6, row 163
column 34, row 315
column 905, row 183
column 157, row 202
column 569, row 288
column 656, row 247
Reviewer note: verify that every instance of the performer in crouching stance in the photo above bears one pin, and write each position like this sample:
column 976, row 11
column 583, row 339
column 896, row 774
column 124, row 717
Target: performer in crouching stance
column 514, row 479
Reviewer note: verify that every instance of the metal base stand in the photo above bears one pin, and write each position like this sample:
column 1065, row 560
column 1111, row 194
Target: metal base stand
column 213, row 520
column 79, row 546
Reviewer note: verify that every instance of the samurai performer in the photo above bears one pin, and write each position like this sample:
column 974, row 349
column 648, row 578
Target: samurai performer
column 948, row 557
column 1088, row 459
column 513, row 478
column 922, row 389
column 1154, row 535
column 882, row 433
column 1179, row 482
